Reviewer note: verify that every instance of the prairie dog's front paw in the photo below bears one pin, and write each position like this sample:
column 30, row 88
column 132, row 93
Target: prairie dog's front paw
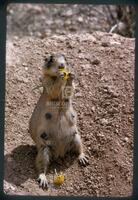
column 42, row 180
column 83, row 159
column 61, row 75
column 71, row 76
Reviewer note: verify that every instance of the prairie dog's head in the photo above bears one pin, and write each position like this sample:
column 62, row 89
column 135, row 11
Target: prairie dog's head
column 53, row 64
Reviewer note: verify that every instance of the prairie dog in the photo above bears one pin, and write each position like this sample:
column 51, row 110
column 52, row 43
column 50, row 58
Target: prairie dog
column 53, row 122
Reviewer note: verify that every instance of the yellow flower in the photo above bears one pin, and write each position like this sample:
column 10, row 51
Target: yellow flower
column 59, row 178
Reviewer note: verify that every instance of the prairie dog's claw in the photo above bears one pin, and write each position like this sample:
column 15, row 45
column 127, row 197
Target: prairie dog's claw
column 72, row 76
column 83, row 159
column 61, row 75
column 42, row 180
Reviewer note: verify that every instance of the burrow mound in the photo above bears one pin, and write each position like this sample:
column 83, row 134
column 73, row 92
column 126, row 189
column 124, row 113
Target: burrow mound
column 103, row 99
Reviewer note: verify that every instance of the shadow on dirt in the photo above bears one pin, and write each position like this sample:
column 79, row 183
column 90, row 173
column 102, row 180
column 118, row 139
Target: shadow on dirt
column 20, row 164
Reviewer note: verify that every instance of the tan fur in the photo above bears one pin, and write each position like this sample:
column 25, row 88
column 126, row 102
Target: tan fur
column 61, row 129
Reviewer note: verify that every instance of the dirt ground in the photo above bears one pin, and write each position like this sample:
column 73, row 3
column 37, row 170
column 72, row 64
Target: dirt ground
column 103, row 99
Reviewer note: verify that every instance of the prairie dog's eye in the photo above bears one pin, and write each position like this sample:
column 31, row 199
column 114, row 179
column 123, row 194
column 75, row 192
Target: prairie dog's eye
column 61, row 66
column 49, row 62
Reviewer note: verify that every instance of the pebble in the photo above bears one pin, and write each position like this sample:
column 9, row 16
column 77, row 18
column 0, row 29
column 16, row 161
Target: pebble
column 113, row 110
column 12, row 188
column 25, row 80
column 69, row 189
column 69, row 45
column 69, row 13
column 121, row 56
column 115, row 150
column 9, row 159
column 8, row 187
column 114, row 42
column 130, row 120
column 96, row 61
column 24, row 64
column 78, row 94
column 80, row 19
column 116, row 131
column 126, row 139
column 110, row 177
column 105, row 44
column 104, row 121
column 110, row 91
column 93, row 108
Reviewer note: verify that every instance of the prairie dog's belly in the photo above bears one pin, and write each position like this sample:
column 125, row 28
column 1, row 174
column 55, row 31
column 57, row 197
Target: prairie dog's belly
column 58, row 127
column 59, row 132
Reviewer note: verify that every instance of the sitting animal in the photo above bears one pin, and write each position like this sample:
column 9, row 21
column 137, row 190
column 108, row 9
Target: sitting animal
column 53, row 124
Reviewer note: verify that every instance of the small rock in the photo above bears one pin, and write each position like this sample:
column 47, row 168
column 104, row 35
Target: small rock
column 115, row 150
column 89, row 148
column 69, row 13
column 90, row 93
column 69, row 189
column 113, row 110
column 105, row 44
column 104, row 78
column 110, row 177
column 130, row 120
column 77, row 90
column 25, row 80
column 9, row 159
column 116, row 131
column 67, row 22
column 104, row 121
column 80, row 19
column 126, row 139
column 114, row 42
column 86, row 66
column 78, row 94
column 12, row 188
column 81, row 117
column 97, row 192
column 96, row 61
column 93, row 108
column 24, row 64
column 69, row 45
column 121, row 56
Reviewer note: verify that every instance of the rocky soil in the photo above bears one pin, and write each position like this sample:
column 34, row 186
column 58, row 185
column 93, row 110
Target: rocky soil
column 103, row 99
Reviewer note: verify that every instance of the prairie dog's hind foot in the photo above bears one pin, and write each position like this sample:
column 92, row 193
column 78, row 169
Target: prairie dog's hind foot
column 42, row 162
column 83, row 159
column 42, row 180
